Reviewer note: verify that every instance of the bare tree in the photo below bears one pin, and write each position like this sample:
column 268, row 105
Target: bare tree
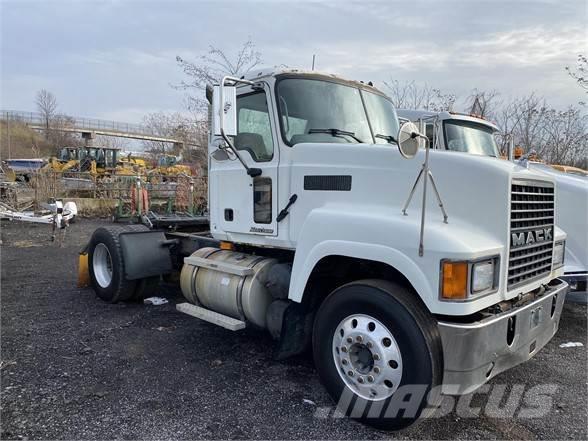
column 111, row 142
column 47, row 105
column 409, row 95
column 482, row 102
column 59, row 134
column 211, row 67
column 580, row 73
column 189, row 131
column 558, row 136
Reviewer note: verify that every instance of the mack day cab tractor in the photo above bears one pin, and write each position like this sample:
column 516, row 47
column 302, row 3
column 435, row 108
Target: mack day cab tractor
column 308, row 240
column 455, row 132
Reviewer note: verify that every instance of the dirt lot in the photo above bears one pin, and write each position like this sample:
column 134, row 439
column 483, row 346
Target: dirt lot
column 74, row 367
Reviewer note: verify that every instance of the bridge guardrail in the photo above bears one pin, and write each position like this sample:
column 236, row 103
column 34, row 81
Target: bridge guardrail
column 36, row 118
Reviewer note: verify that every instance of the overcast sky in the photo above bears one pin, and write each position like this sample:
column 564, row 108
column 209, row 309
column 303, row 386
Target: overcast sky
column 116, row 59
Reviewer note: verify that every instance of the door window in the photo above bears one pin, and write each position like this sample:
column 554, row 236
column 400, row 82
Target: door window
column 254, row 132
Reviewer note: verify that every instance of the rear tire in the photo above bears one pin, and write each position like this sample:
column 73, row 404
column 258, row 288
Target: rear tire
column 374, row 343
column 106, row 265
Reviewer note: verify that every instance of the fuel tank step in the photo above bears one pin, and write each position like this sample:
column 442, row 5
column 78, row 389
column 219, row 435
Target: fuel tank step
column 210, row 316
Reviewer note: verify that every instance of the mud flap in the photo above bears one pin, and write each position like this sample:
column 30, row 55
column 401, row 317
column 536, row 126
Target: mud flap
column 145, row 254
column 83, row 271
column 296, row 333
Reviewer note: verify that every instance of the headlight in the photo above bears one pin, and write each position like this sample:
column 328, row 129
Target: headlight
column 558, row 254
column 464, row 280
column 482, row 276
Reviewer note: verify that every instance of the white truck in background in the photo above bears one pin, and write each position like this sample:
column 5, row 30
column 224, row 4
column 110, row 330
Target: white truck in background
column 308, row 240
column 470, row 134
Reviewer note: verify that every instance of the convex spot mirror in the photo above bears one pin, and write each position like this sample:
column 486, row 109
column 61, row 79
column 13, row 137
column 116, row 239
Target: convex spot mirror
column 409, row 140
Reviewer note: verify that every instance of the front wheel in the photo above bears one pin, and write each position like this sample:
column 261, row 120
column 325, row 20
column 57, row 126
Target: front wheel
column 378, row 352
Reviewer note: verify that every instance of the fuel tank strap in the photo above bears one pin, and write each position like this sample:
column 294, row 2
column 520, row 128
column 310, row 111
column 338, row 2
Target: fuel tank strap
column 218, row 266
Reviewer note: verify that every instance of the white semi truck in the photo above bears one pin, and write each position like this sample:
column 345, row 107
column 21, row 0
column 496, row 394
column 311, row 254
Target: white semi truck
column 309, row 241
column 470, row 134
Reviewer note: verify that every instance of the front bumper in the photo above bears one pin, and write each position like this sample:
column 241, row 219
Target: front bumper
column 475, row 352
column 578, row 292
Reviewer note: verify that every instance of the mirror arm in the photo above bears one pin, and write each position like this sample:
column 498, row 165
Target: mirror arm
column 253, row 172
column 418, row 135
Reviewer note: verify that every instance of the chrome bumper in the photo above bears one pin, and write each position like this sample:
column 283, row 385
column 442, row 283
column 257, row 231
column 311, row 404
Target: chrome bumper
column 578, row 292
column 475, row 352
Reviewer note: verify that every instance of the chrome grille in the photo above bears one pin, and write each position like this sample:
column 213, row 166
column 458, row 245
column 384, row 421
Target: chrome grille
column 532, row 214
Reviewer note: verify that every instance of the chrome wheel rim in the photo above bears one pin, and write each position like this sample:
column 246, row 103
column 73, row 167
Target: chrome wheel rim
column 102, row 265
column 367, row 357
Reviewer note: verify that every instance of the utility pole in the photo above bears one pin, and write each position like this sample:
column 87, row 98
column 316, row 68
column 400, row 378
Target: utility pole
column 8, row 135
column 313, row 58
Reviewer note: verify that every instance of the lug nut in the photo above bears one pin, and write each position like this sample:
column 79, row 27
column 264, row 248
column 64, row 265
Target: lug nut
column 359, row 338
column 343, row 349
column 350, row 373
column 360, row 380
column 376, row 370
column 370, row 379
column 376, row 357
column 349, row 340
column 369, row 344
column 344, row 361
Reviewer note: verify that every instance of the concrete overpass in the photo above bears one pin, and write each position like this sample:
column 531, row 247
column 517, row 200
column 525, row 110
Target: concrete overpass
column 89, row 127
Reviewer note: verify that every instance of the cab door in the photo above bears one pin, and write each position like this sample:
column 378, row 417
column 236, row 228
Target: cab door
column 244, row 204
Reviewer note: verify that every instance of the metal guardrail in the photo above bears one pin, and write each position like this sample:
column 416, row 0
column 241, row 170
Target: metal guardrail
column 36, row 118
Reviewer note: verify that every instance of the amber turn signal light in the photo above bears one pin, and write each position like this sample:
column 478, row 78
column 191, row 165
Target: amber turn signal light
column 455, row 280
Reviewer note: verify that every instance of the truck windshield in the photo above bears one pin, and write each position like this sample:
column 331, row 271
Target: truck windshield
column 470, row 137
column 324, row 111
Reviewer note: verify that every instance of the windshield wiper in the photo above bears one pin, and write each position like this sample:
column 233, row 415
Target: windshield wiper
column 389, row 138
column 337, row 132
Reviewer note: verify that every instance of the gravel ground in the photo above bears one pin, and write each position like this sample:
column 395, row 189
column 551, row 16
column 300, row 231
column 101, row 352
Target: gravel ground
column 73, row 367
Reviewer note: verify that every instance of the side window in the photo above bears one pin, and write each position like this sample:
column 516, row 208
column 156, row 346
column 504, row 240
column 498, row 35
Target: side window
column 262, row 200
column 253, row 127
column 429, row 131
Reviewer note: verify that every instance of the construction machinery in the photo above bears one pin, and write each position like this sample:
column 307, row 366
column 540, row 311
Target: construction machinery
column 98, row 161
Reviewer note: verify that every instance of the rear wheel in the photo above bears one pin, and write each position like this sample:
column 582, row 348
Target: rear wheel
column 106, row 265
column 378, row 352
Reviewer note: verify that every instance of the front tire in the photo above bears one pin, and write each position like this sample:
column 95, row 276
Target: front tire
column 375, row 347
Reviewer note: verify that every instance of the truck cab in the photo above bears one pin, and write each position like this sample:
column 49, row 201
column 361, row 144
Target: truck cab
column 308, row 177
column 456, row 132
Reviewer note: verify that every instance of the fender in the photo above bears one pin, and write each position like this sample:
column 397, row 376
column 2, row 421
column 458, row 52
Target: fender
column 382, row 234
column 302, row 269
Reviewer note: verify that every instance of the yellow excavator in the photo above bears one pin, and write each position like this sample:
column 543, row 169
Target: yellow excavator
column 97, row 161
column 168, row 165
